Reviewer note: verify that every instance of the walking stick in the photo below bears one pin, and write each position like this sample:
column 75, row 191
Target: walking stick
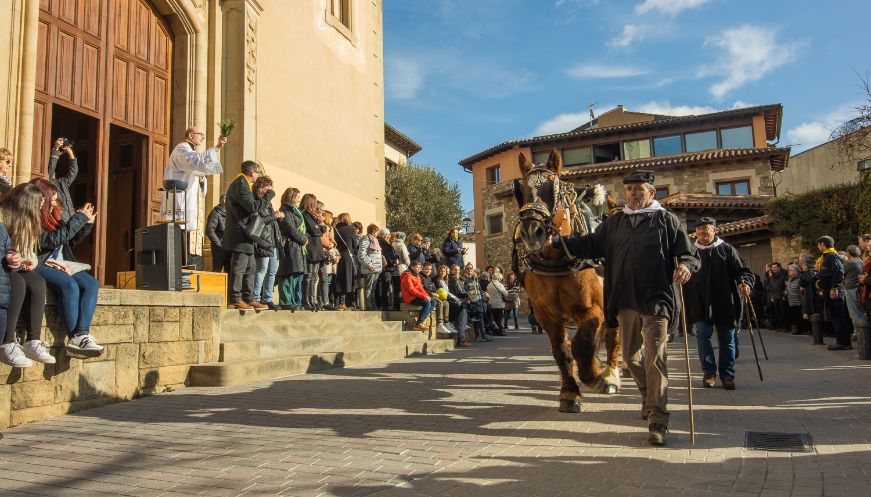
column 758, row 329
column 752, row 340
column 686, row 349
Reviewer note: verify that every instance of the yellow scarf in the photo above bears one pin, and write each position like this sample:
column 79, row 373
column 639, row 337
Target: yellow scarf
column 246, row 180
column 819, row 263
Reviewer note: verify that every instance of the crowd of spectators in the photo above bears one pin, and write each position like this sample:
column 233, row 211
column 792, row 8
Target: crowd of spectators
column 325, row 262
column 827, row 294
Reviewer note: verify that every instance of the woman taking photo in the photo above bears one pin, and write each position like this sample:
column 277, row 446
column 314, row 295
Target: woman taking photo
column 266, row 248
column 76, row 290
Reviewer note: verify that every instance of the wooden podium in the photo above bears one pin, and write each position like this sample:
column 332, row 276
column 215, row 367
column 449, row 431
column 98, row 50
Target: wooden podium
column 201, row 282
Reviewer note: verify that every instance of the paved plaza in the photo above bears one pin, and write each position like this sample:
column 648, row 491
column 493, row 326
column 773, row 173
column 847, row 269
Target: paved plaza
column 474, row 423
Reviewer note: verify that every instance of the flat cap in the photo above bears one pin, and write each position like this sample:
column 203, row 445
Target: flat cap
column 706, row 220
column 427, row 239
column 639, row 177
column 826, row 240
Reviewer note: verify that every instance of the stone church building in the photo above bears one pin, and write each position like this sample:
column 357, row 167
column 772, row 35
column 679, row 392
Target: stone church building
column 303, row 79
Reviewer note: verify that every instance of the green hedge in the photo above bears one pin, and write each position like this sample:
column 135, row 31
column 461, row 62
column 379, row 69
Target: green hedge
column 842, row 212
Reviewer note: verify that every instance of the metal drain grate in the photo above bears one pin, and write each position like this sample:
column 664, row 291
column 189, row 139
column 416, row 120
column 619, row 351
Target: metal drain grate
column 782, row 442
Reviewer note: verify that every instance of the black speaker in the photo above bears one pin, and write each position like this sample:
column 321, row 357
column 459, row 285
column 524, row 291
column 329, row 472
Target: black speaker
column 159, row 257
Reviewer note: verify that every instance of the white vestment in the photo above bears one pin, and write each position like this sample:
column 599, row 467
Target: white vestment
column 186, row 164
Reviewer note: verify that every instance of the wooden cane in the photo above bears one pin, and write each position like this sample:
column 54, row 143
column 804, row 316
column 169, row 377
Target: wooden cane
column 686, row 349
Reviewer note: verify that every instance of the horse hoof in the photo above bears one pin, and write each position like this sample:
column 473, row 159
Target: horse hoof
column 609, row 389
column 573, row 406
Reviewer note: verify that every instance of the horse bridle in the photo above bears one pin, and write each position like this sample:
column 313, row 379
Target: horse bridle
column 537, row 210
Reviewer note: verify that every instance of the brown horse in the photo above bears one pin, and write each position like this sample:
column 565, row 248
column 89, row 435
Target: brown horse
column 563, row 291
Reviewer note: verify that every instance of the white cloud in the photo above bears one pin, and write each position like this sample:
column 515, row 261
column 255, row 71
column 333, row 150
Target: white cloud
column 671, row 7
column 404, row 78
column 749, row 53
column 631, row 33
column 562, row 123
column 602, row 71
column 667, row 109
column 810, row 134
column 560, row 3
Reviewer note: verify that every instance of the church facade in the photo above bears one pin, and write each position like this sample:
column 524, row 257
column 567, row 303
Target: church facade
column 123, row 79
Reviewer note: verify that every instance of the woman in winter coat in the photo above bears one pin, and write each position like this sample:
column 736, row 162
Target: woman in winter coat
column 513, row 300
column 266, row 248
column 415, row 251
column 498, row 296
column 292, row 253
column 314, row 252
column 346, row 270
column 793, row 298
column 477, row 306
column 452, row 248
column 811, row 301
column 401, row 251
column 458, row 311
column 369, row 255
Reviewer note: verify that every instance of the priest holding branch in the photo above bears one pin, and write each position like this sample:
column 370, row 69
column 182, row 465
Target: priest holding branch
column 187, row 164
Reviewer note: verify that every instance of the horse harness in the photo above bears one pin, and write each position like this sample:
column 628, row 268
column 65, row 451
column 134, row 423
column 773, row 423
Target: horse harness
column 564, row 195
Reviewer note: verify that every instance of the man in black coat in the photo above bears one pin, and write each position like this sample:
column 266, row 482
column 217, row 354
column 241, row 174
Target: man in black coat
column 775, row 286
column 242, row 208
column 638, row 245
column 714, row 300
column 830, row 278
column 215, row 231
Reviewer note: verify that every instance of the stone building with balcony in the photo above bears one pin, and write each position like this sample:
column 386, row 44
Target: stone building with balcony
column 719, row 164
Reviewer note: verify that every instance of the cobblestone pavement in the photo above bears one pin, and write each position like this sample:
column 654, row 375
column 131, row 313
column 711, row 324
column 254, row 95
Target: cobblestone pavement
column 475, row 422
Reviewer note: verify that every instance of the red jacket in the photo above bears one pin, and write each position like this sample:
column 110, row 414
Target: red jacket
column 411, row 287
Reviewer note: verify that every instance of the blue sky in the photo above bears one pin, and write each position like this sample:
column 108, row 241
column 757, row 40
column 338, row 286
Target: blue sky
column 464, row 75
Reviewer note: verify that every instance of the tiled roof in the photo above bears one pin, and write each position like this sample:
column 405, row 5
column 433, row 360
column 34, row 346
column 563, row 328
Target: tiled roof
column 777, row 156
column 709, row 200
column 396, row 136
column 745, row 226
column 772, row 116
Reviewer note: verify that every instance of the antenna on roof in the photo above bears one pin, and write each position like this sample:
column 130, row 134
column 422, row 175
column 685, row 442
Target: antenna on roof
column 590, row 107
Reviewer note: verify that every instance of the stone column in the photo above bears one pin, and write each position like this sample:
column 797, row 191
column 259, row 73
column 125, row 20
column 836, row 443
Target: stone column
column 27, row 92
column 240, row 82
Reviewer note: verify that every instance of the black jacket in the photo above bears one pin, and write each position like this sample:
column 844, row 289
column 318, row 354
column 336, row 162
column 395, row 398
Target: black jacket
column 63, row 184
column 347, row 245
column 775, row 284
column 66, row 231
column 314, row 230
column 712, row 292
column 290, row 258
column 5, row 285
column 638, row 260
column 241, row 206
column 215, row 225
column 269, row 237
column 390, row 256
column 415, row 253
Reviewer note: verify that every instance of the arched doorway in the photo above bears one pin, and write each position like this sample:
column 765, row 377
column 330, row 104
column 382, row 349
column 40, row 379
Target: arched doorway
column 104, row 81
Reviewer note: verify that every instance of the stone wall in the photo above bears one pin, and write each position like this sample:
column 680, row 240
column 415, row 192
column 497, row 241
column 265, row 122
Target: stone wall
column 150, row 340
column 786, row 249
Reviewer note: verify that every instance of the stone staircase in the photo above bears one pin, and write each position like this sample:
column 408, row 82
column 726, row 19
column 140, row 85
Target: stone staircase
column 269, row 344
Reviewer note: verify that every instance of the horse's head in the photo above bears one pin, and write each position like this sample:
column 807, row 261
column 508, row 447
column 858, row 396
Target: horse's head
column 537, row 196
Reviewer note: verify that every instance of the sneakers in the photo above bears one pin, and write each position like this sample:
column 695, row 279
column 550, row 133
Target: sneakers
column 442, row 328
column 729, row 383
column 657, row 434
column 451, row 328
column 257, row 306
column 242, row 306
column 84, row 345
column 709, row 380
column 13, row 355
column 37, row 351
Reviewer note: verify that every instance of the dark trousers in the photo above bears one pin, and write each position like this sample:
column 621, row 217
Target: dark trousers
column 27, row 291
column 76, row 298
column 384, row 290
column 837, row 313
column 779, row 314
column 242, row 270
column 498, row 316
column 220, row 260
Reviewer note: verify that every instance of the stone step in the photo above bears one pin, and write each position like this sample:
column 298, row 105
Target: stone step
column 252, row 349
column 243, row 371
column 294, row 329
column 234, row 317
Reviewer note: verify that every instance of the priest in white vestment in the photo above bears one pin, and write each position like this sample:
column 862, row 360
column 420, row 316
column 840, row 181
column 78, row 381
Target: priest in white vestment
column 187, row 164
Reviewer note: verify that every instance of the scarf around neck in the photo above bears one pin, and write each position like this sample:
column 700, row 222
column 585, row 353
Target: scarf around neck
column 653, row 207
column 819, row 263
column 716, row 243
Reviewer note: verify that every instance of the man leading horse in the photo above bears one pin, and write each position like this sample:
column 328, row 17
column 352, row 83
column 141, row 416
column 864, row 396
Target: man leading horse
column 639, row 245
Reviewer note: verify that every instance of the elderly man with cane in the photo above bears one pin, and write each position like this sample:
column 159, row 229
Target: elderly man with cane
column 714, row 296
column 640, row 245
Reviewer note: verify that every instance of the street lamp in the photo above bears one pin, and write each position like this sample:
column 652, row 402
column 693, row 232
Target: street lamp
column 466, row 223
